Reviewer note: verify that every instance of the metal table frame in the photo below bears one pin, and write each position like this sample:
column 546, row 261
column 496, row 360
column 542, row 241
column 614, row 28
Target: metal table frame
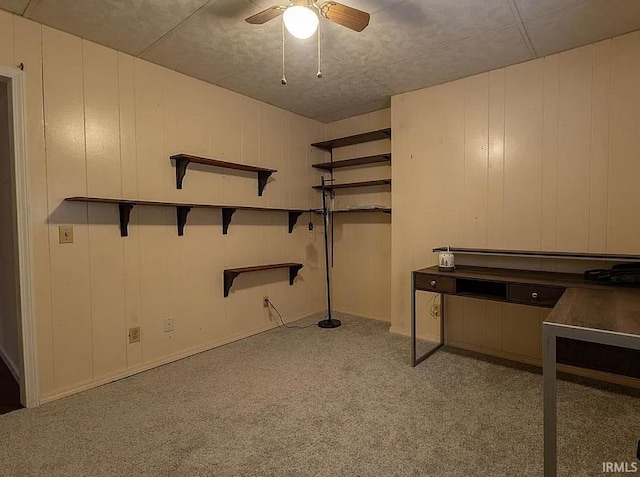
column 416, row 360
column 551, row 331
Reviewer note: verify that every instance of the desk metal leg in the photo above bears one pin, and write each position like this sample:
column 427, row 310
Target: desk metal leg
column 415, row 359
column 413, row 320
column 550, row 402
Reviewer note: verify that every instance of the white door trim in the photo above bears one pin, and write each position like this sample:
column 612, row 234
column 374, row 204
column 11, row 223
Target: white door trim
column 29, row 392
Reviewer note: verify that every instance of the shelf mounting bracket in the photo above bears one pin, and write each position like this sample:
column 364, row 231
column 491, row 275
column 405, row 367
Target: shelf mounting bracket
column 125, row 215
column 227, row 214
column 263, row 177
column 182, row 213
column 229, row 277
column 181, row 169
column 293, row 218
column 293, row 272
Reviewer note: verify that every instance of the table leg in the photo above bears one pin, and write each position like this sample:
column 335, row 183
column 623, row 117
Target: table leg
column 413, row 320
column 550, row 401
column 415, row 359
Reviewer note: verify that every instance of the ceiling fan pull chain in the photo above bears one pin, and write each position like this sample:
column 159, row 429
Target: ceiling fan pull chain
column 319, row 73
column 283, row 81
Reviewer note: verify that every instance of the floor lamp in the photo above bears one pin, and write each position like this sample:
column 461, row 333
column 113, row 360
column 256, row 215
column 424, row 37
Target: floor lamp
column 327, row 322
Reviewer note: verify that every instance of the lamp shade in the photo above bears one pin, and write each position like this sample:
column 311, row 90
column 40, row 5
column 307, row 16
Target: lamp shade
column 301, row 22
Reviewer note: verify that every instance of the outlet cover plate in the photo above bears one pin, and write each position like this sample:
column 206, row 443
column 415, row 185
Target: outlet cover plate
column 168, row 324
column 134, row 335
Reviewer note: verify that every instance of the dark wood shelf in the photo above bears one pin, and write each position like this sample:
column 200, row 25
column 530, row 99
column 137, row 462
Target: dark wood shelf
column 386, row 210
column 356, row 139
column 182, row 211
column 542, row 254
column 183, row 160
column 353, row 185
column 230, row 274
column 357, row 161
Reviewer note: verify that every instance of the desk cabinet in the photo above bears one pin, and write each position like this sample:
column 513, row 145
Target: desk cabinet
column 435, row 283
column 536, row 295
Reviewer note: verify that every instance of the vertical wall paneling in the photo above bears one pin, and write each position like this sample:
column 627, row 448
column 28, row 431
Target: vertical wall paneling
column 549, row 219
column 67, row 176
column 362, row 241
column 495, row 174
column 104, row 179
column 599, row 180
column 624, row 143
column 28, row 50
column 562, row 135
column 574, row 149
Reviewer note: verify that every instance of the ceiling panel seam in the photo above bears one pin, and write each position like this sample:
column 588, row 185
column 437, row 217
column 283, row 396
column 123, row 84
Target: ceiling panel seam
column 175, row 27
column 523, row 31
column 28, row 10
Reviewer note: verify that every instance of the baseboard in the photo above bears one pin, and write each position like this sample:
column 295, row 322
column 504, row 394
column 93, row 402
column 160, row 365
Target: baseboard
column 399, row 331
column 497, row 353
column 10, row 364
column 355, row 313
column 582, row 372
column 160, row 362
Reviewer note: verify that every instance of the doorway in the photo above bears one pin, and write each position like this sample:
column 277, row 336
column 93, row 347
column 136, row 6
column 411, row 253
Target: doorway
column 18, row 377
column 10, row 348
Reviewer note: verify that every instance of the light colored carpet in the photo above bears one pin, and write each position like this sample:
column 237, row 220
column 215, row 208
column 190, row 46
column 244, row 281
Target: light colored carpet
column 320, row 402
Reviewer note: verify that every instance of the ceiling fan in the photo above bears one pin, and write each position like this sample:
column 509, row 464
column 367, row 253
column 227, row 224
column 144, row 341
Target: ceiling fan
column 301, row 16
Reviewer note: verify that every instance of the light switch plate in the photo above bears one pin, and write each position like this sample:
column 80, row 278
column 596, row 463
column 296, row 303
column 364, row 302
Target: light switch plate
column 65, row 233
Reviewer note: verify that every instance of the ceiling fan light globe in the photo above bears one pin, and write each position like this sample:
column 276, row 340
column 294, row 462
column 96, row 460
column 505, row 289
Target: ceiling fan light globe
column 301, row 21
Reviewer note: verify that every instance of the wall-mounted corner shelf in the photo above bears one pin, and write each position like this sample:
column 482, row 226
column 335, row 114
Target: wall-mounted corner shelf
column 541, row 254
column 352, row 185
column 357, row 161
column 230, row 274
column 356, row 139
column 183, row 160
column 182, row 211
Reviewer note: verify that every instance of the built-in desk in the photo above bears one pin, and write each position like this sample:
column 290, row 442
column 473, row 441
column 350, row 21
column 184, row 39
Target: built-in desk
column 604, row 317
column 591, row 325
column 526, row 287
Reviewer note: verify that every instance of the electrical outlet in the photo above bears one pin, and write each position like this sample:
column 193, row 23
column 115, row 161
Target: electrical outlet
column 134, row 335
column 168, row 324
column 265, row 302
column 435, row 309
column 65, row 234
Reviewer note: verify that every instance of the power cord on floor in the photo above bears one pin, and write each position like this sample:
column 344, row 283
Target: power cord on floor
column 282, row 321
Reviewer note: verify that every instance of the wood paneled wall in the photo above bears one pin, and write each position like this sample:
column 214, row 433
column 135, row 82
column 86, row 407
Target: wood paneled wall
column 544, row 155
column 103, row 123
column 362, row 266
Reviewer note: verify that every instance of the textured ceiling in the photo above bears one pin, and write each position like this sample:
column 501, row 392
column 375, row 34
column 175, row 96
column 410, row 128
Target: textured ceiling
column 409, row 44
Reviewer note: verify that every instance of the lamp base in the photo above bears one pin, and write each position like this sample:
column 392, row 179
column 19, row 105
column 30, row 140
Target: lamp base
column 330, row 323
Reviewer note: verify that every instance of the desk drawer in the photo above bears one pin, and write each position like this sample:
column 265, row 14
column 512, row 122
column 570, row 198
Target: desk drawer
column 435, row 283
column 536, row 295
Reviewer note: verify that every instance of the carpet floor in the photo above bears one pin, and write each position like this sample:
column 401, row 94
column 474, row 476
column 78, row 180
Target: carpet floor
column 314, row 402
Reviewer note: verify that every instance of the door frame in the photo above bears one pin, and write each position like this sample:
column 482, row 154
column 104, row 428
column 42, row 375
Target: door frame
column 29, row 392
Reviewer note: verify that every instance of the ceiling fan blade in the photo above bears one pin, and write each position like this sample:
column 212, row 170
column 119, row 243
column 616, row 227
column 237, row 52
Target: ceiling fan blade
column 266, row 15
column 349, row 17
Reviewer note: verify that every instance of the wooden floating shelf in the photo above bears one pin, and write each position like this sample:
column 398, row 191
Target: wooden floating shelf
column 351, row 140
column 358, row 161
column 534, row 254
column 182, row 211
column 183, row 160
column 353, row 185
column 230, row 274
column 386, row 210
